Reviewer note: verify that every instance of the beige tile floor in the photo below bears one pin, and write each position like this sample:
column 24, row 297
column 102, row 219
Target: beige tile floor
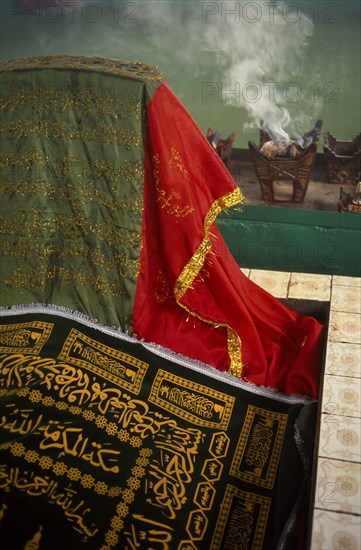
column 336, row 514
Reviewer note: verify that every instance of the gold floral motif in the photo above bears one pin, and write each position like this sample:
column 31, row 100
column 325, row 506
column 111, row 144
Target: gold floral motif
column 38, row 485
column 77, row 196
column 23, row 159
column 110, row 233
column 37, row 277
column 101, row 488
column 168, row 200
column 75, row 167
column 128, row 495
column 176, row 162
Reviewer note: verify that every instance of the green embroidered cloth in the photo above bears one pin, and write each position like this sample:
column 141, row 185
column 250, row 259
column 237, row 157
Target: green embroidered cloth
column 108, row 443
column 72, row 171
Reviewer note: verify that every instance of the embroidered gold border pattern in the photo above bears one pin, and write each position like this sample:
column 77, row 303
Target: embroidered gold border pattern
column 36, row 278
column 109, row 363
column 259, row 447
column 45, row 100
column 104, row 133
column 55, row 192
column 38, row 221
column 50, row 249
column 65, row 167
column 242, row 521
column 128, row 69
column 191, row 270
column 51, row 257
column 196, row 403
column 24, row 337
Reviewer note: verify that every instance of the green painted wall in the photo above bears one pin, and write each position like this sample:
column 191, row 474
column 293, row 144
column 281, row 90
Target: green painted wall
column 282, row 239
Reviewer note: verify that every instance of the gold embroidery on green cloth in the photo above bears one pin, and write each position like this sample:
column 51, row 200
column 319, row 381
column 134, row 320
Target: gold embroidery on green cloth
column 22, row 159
column 168, row 200
column 128, row 69
column 37, row 277
column 77, row 197
column 105, row 231
column 46, row 100
column 192, row 269
column 73, row 151
column 66, row 165
column 126, row 172
column 42, row 252
column 104, row 133
column 81, row 189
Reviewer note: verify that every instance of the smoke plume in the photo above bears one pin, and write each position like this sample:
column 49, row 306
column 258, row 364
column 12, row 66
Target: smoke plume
column 254, row 52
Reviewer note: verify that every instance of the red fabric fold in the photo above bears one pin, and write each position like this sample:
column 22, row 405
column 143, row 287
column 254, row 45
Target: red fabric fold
column 185, row 185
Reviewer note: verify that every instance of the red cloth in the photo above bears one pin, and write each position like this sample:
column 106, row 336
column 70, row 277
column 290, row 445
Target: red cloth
column 191, row 295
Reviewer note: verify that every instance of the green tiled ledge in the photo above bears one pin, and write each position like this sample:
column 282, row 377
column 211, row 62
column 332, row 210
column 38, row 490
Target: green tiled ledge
column 304, row 241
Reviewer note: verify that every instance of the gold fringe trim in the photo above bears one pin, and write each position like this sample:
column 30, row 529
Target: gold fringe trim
column 235, row 352
column 195, row 264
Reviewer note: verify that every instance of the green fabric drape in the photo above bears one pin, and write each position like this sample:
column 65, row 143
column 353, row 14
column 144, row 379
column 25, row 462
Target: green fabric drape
column 72, row 156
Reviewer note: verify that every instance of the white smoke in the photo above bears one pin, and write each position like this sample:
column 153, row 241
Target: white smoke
column 253, row 52
column 262, row 56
